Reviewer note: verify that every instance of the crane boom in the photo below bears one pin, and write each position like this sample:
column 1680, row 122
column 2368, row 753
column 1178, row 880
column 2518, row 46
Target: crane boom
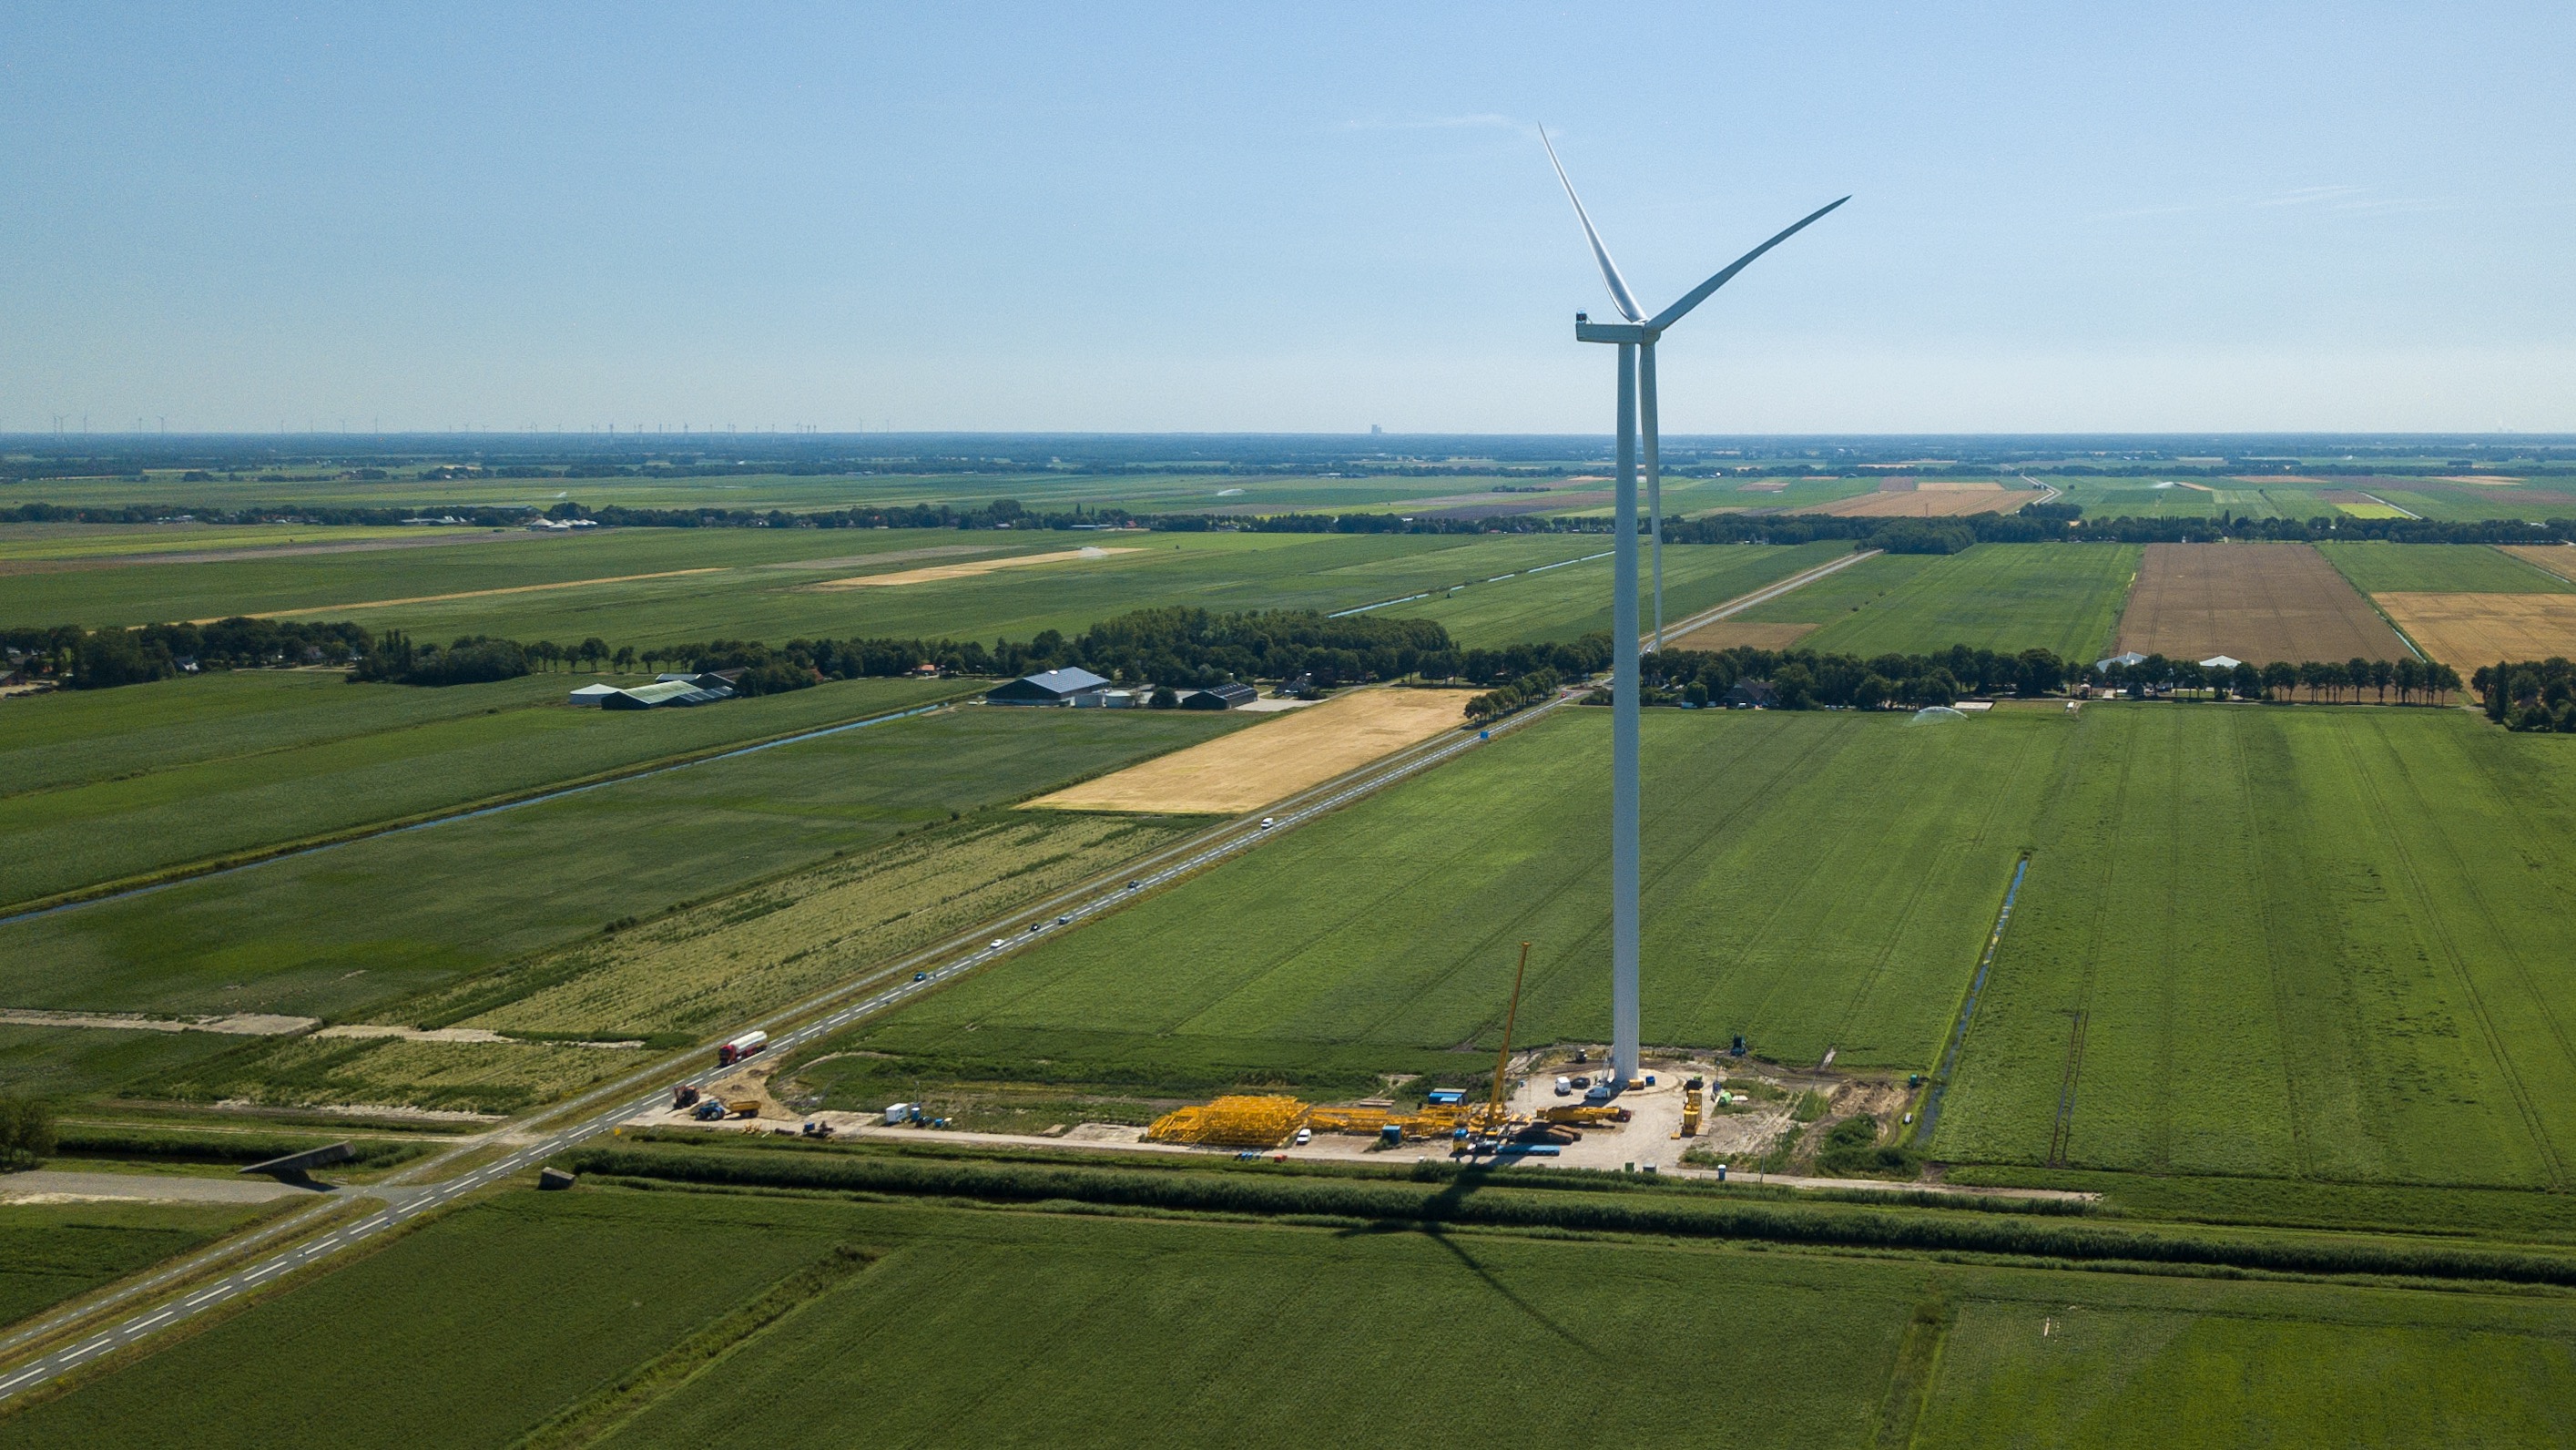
column 1503, row 1058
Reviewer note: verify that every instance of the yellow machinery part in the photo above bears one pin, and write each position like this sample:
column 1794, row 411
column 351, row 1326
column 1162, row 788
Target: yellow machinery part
column 1232, row 1122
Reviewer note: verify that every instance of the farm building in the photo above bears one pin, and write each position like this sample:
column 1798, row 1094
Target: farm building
column 713, row 680
column 1055, row 687
column 666, row 692
column 2119, row 661
column 2220, row 662
column 1219, row 697
column 592, row 694
column 1752, row 695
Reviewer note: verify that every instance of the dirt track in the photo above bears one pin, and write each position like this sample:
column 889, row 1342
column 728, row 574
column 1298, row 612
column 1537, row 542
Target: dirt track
column 2258, row 602
column 934, row 572
column 2465, row 631
column 1257, row 765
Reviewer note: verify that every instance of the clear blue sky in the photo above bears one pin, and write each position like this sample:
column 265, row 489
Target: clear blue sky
column 1191, row 217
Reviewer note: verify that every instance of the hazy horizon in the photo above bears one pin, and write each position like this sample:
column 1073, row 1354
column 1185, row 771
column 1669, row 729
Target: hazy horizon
column 1166, row 220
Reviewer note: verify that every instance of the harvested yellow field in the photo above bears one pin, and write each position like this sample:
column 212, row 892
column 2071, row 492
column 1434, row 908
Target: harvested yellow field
column 1729, row 633
column 2558, row 559
column 2465, row 631
column 1276, row 758
column 934, row 572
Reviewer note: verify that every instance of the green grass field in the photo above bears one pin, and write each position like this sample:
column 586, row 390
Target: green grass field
column 1783, row 900
column 654, row 1319
column 1180, row 491
column 1567, row 602
column 468, row 1332
column 758, row 583
column 2440, row 569
column 2005, row 597
column 131, row 781
column 2310, row 944
column 101, row 541
column 53, row 1252
column 340, row 930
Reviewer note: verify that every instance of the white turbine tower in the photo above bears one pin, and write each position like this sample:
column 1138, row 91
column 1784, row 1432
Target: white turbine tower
column 1636, row 339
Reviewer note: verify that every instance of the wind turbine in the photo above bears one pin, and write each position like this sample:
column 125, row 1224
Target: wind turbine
column 1636, row 340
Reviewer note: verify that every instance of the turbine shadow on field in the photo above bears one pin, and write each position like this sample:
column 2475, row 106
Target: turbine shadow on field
column 1429, row 1226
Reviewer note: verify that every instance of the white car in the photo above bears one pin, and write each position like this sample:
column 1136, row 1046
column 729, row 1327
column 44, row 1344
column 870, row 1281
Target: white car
column 1305, row 1136
column 997, row 941
column 1268, row 821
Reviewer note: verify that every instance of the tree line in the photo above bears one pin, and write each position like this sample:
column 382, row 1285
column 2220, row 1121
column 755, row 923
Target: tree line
column 1177, row 646
column 1806, row 680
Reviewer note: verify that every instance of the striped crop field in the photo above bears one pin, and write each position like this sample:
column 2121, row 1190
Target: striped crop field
column 2304, row 944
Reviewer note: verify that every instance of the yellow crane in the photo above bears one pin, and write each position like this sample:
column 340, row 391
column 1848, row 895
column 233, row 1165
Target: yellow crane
column 1494, row 1114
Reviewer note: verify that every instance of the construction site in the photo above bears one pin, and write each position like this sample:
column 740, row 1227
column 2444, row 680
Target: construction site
column 1554, row 1105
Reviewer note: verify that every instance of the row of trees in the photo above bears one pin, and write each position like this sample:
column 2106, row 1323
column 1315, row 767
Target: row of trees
column 1185, row 647
column 2536, row 695
column 91, row 659
column 1530, row 689
column 1806, row 680
column 2324, row 680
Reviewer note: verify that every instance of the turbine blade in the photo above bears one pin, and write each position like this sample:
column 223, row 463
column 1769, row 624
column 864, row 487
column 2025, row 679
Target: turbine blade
column 1619, row 296
column 1699, row 294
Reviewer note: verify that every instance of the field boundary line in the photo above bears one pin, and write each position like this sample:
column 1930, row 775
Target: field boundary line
column 132, row 886
column 2066, row 1081
column 1931, row 1115
column 474, row 593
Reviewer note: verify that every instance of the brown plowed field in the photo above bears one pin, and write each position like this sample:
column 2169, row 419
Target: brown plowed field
column 1255, row 766
column 1728, row 633
column 1945, row 501
column 2259, row 602
column 2558, row 559
column 2465, row 631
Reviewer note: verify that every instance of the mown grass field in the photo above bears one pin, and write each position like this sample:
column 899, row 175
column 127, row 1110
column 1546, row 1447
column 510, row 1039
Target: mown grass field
column 686, row 1318
column 1783, row 900
column 2005, row 597
column 339, row 931
column 687, row 976
column 2440, row 569
column 53, row 1252
column 756, row 583
column 2311, row 944
column 1568, row 602
column 116, row 784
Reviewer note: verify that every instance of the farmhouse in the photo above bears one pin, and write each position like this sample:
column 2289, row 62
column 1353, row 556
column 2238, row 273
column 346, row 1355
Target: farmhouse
column 1219, row 697
column 1055, row 687
column 1752, row 695
column 592, row 694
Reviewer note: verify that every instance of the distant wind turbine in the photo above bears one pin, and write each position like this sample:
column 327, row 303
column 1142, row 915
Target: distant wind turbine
column 1636, row 339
